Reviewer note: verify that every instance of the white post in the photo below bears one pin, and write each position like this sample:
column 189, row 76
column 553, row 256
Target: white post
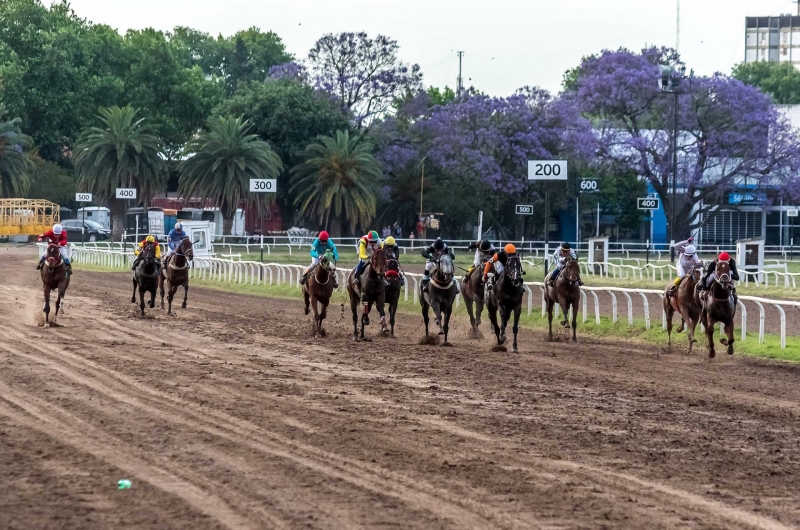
column 577, row 220
column 480, row 225
column 598, row 221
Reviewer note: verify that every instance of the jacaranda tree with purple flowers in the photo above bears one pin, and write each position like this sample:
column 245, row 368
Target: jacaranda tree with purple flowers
column 364, row 73
column 730, row 136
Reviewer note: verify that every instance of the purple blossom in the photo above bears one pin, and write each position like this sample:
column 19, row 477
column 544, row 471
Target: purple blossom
column 292, row 70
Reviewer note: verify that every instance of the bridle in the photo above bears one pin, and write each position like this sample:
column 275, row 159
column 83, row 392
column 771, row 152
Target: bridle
column 513, row 270
column 441, row 279
column 569, row 273
column 328, row 265
column 54, row 255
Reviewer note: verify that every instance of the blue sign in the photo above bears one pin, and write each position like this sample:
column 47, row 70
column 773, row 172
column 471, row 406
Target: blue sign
column 740, row 198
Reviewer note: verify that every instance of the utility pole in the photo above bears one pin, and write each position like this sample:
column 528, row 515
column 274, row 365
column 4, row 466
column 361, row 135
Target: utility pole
column 460, row 81
column 678, row 28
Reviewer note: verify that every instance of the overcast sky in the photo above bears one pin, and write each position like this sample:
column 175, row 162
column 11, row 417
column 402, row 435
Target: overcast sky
column 508, row 44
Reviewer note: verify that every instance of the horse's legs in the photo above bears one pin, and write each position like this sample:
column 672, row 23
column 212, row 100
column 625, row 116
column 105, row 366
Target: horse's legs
column 691, row 326
column 161, row 281
column 185, row 294
column 517, row 311
column 728, row 332
column 61, row 292
column 670, row 312
column 133, row 296
column 479, row 306
column 550, row 304
column 170, row 295
column 392, row 313
column 447, row 312
column 46, row 308
column 306, row 300
column 709, row 324
column 425, row 317
column 505, row 316
column 365, row 317
column 565, row 310
column 317, row 319
column 380, row 304
column 492, row 310
column 574, row 321
column 141, row 298
column 354, row 310
column 468, row 303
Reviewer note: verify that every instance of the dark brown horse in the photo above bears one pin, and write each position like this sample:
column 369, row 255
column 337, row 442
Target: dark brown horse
column 474, row 292
column 567, row 293
column 175, row 272
column 719, row 305
column 319, row 289
column 373, row 291
column 505, row 297
column 686, row 304
column 54, row 277
column 392, row 296
column 145, row 276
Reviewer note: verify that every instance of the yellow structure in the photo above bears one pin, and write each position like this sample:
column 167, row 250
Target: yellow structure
column 27, row 216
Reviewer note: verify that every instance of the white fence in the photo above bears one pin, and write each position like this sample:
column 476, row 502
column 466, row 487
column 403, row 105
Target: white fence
column 233, row 270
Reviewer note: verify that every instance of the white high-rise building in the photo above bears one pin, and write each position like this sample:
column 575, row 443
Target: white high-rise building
column 775, row 39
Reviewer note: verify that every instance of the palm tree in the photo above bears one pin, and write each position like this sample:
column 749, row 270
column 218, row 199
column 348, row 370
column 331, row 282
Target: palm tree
column 120, row 153
column 221, row 162
column 14, row 164
column 338, row 180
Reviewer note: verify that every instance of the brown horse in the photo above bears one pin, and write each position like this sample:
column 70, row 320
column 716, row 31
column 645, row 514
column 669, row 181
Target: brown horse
column 719, row 305
column 145, row 276
column 686, row 304
column 319, row 289
column 567, row 293
column 54, row 277
column 505, row 297
column 474, row 293
column 392, row 296
column 373, row 291
column 175, row 272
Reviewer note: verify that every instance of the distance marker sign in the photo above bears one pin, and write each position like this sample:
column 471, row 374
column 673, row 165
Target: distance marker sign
column 263, row 185
column 524, row 209
column 83, row 197
column 547, row 170
column 126, row 193
column 648, row 203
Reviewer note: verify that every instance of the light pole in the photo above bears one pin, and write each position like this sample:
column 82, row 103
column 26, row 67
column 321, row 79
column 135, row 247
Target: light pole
column 671, row 81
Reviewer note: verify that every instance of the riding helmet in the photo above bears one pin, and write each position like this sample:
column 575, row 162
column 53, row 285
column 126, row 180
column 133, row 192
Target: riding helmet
column 178, row 226
column 150, row 239
column 690, row 250
column 510, row 249
column 485, row 245
column 724, row 256
column 323, row 236
column 57, row 229
column 438, row 244
column 565, row 246
column 373, row 236
column 390, row 241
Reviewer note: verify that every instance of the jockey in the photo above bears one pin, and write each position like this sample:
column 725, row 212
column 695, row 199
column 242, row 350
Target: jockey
column 174, row 238
column 498, row 262
column 688, row 261
column 366, row 248
column 321, row 245
column 140, row 247
column 484, row 251
column 559, row 259
column 432, row 254
column 711, row 271
column 56, row 236
column 393, row 252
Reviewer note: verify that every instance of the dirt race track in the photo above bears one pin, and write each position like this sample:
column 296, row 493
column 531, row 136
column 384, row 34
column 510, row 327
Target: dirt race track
column 229, row 416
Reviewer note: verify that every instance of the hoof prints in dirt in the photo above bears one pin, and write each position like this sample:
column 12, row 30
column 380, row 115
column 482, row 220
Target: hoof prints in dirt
column 429, row 340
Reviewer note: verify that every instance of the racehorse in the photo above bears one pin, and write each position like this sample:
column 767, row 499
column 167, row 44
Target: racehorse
column 319, row 288
column 145, row 276
column 474, row 292
column 505, row 296
column 54, row 276
column 175, row 272
column 686, row 303
column 719, row 305
column 567, row 293
column 392, row 296
column 440, row 296
column 373, row 291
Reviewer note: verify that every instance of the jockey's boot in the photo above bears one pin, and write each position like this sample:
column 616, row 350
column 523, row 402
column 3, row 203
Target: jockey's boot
column 402, row 280
column 335, row 282
column 69, row 266
column 304, row 279
column 425, row 281
column 580, row 282
column 672, row 290
column 40, row 264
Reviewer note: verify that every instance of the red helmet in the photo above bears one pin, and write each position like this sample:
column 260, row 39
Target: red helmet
column 724, row 256
column 323, row 236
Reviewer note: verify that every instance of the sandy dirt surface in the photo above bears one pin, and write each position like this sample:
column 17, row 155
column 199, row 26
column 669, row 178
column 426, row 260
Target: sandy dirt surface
column 229, row 415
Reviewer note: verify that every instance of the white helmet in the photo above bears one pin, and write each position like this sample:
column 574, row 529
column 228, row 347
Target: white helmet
column 690, row 250
column 57, row 229
column 178, row 226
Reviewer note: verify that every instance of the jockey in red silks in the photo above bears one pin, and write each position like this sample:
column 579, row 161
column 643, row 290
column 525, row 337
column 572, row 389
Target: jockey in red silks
column 56, row 236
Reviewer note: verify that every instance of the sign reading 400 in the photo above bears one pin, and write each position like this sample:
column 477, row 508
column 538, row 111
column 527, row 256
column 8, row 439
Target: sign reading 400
column 648, row 203
column 126, row 193
column 263, row 185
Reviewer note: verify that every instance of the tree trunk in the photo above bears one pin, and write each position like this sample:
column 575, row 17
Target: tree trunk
column 227, row 225
column 520, row 231
column 117, row 218
column 335, row 227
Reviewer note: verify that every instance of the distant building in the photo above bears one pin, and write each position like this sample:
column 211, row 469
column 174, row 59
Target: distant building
column 774, row 39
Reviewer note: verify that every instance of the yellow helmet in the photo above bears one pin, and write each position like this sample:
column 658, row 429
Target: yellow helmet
column 390, row 241
column 151, row 239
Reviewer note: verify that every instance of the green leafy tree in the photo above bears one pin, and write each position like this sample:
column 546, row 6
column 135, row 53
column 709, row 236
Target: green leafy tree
column 337, row 181
column 289, row 115
column 221, row 162
column 781, row 80
column 121, row 152
column 51, row 182
column 14, row 164
column 441, row 96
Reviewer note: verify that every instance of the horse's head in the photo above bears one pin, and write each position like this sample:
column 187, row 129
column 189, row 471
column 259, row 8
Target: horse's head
column 444, row 270
column 572, row 271
column 53, row 254
column 513, row 271
column 723, row 273
column 186, row 248
column 392, row 269
column 148, row 253
column 327, row 261
column 378, row 262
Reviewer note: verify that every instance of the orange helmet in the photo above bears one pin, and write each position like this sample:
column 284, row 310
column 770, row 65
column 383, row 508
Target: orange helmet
column 510, row 249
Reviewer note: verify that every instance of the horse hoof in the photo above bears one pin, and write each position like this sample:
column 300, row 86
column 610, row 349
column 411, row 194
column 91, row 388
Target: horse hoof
column 47, row 324
column 183, row 305
column 441, row 333
column 723, row 341
column 712, row 354
column 514, row 350
column 133, row 300
column 306, row 311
